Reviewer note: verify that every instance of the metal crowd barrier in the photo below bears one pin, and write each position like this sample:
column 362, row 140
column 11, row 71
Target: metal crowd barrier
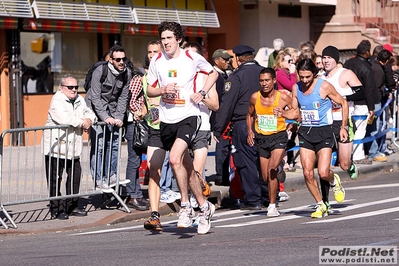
column 23, row 171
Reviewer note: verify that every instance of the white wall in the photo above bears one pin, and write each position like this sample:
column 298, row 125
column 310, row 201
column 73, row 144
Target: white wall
column 260, row 26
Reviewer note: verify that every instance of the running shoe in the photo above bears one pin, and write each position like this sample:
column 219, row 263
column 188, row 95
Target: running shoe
column 193, row 201
column 204, row 223
column 185, row 215
column 339, row 192
column 283, row 196
column 272, row 212
column 153, row 223
column 320, row 212
column 166, row 197
column 175, row 195
column 353, row 171
column 328, row 206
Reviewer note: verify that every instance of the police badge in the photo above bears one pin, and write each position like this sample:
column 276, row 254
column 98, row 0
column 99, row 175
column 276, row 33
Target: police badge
column 227, row 86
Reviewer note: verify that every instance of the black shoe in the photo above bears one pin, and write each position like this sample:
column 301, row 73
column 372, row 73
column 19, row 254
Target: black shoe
column 246, row 207
column 60, row 215
column 138, row 204
column 78, row 212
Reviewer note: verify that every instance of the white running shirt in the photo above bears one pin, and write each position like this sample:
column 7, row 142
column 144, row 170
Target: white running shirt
column 182, row 70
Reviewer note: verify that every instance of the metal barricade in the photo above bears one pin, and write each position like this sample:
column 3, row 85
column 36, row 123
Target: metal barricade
column 23, row 167
column 395, row 121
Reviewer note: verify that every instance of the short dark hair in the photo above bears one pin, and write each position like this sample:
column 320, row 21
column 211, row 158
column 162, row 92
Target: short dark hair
column 384, row 55
column 377, row 49
column 269, row 70
column 154, row 42
column 363, row 47
column 307, row 65
column 176, row 28
column 195, row 45
column 116, row 48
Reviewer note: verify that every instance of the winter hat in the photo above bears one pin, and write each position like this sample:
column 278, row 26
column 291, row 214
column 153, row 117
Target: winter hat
column 332, row 52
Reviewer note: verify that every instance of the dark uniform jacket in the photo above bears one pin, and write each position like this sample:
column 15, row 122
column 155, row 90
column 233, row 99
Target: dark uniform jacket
column 237, row 92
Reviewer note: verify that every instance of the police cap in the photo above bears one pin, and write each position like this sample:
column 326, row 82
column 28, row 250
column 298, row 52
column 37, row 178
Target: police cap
column 243, row 50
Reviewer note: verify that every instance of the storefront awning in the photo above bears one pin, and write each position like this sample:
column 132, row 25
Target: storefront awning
column 153, row 30
column 83, row 11
column 184, row 17
column 123, row 14
column 16, row 8
column 71, row 26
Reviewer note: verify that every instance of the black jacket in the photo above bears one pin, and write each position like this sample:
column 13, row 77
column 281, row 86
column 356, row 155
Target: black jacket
column 362, row 68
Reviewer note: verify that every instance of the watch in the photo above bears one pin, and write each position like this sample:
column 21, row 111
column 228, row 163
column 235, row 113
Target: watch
column 203, row 93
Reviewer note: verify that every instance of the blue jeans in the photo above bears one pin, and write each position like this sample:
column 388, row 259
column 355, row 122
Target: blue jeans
column 167, row 182
column 373, row 130
column 104, row 151
column 133, row 165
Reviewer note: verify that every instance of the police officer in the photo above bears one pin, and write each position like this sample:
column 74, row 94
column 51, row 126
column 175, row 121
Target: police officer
column 234, row 107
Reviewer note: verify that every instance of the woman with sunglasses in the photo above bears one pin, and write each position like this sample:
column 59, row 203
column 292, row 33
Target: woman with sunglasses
column 285, row 72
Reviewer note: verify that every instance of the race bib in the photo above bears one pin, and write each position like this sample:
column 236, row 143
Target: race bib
column 173, row 99
column 267, row 123
column 310, row 117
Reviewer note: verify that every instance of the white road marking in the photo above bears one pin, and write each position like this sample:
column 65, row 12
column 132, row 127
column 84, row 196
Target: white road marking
column 372, row 186
column 280, row 218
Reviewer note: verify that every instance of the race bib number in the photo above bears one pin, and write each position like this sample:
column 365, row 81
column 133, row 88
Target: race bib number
column 267, row 123
column 173, row 99
column 310, row 117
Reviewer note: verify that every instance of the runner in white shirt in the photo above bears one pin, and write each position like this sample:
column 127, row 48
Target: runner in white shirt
column 174, row 71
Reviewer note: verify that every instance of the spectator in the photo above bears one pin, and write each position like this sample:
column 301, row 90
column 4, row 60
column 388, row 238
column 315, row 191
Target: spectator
column 294, row 53
column 377, row 124
column 109, row 101
column 365, row 106
column 221, row 60
column 136, row 112
column 285, row 72
column 319, row 63
column 63, row 148
column 278, row 45
column 306, row 46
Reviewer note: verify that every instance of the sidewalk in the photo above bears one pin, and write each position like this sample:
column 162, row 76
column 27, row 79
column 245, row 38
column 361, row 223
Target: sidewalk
column 35, row 218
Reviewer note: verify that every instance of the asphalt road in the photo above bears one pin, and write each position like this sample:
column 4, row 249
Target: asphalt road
column 368, row 216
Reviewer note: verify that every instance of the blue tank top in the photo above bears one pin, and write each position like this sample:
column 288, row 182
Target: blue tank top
column 315, row 111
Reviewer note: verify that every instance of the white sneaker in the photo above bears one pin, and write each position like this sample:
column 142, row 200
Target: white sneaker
column 272, row 212
column 193, row 201
column 283, row 196
column 166, row 198
column 204, row 223
column 184, row 217
column 174, row 195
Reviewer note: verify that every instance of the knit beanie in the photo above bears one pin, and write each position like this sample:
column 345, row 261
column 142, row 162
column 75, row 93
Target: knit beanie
column 332, row 52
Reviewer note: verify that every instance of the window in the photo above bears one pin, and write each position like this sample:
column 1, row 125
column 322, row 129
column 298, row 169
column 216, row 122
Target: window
column 289, row 11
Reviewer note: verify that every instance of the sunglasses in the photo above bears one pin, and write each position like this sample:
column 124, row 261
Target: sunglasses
column 71, row 87
column 124, row 59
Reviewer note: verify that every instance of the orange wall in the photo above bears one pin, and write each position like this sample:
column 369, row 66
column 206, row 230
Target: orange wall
column 228, row 35
column 4, row 98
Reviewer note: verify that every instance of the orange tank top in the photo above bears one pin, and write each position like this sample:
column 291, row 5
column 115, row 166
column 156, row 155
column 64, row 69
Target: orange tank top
column 266, row 123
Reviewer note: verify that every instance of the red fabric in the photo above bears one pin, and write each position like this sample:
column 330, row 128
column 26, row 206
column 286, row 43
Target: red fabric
column 235, row 182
